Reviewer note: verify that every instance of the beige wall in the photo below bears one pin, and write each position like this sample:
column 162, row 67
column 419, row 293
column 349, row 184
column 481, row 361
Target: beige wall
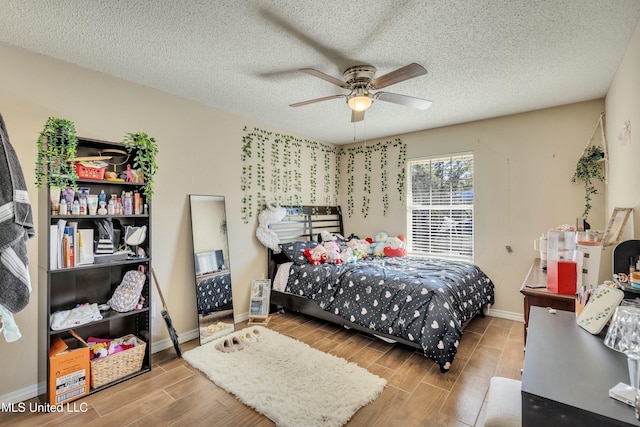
column 523, row 166
column 622, row 105
column 199, row 153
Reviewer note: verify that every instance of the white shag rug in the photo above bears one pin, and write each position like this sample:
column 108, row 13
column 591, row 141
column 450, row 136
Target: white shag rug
column 288, row 381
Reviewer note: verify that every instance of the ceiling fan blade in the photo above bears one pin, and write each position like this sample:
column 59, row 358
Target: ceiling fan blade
column 357, row 116
column 313, row 101
column 409, row 101
column 401, row 74
column 333, row 55
column 327, row 77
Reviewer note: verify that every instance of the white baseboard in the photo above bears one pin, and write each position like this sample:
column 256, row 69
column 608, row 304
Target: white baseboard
column 237, row 318
column 516, row 317
column 167, row 343
column 190, row 335
column 21, row 395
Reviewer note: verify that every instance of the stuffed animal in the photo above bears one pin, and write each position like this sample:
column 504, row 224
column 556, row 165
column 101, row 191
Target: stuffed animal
column 379, row 243
column 396, row 247
column 359, row 248
column 270, row 215
column 333, row 252
column 317, row 255
column 325, row 236
column 99, row 350
column 347, row 256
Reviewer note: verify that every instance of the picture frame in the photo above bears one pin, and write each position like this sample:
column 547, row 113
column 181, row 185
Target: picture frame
column 259, row 301
column 618, row 220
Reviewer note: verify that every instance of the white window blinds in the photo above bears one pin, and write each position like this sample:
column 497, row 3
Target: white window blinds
column 440, row 206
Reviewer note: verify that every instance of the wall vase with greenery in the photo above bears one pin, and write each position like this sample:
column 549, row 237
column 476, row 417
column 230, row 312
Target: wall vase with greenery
column 144, row 150
column 55, row 162
column 589, row 168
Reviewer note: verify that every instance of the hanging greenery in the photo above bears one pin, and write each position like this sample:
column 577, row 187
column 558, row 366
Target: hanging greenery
column 55, row 162
column 365, row 153
column 336, row 181
column 144, row 150
column 402, row 159
column 294, row 167
column 589, row 168
column 276, row 173
column 383, row 179
column 350, row 180
column 327, row 178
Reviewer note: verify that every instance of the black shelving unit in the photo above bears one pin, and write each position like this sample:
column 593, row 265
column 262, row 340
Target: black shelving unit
column 64, row 288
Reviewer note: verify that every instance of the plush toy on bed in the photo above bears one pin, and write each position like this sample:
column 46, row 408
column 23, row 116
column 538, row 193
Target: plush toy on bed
column 347, row 256
column 317, row 255
column 395, row 247
column 380, row 241
column 333, row 252
column 325, row 236
column 359, row 248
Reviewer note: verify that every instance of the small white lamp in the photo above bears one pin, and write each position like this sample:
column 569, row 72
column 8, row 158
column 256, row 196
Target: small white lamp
column 624, row 336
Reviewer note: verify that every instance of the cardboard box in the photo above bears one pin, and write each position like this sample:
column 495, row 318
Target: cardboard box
column 68, row 369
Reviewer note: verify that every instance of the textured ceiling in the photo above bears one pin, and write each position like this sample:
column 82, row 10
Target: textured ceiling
column 485, row 58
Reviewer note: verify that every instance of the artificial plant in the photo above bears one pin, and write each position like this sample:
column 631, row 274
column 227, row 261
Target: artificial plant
column 144, row 149
column 589, row 168
column 55, row 162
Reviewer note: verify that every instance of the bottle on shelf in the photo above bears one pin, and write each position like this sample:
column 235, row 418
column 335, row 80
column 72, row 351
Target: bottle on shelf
column 127, row 204
column 136, row 203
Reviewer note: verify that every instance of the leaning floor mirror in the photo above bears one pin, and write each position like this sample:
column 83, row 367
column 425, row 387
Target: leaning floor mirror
column 211, row 266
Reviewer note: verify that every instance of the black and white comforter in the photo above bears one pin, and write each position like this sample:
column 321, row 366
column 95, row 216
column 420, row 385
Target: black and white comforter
column 214, row 294
column 421, row 300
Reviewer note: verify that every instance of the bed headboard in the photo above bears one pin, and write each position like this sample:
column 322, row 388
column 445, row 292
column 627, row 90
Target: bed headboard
column 304, row 223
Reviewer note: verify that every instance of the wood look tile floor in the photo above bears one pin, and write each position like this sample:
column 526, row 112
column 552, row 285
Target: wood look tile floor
column 417, row 394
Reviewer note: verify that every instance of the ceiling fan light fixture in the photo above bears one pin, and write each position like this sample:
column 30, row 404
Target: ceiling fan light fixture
column 359, row 103
column 360, row 100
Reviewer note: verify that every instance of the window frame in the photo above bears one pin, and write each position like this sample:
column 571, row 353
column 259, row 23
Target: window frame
column 456, row 238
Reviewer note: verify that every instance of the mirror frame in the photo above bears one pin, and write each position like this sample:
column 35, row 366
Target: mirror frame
column 211, row 266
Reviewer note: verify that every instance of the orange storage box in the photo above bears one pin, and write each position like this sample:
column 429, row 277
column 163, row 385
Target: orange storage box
column 68, row 370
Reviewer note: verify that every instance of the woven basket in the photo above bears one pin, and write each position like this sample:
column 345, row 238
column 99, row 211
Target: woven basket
column 116, row 366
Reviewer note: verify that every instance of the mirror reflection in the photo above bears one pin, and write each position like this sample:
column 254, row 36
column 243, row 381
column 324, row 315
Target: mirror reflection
column 211, row 266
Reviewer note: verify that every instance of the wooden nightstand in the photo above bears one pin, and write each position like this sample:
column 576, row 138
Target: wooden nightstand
column 541, row 297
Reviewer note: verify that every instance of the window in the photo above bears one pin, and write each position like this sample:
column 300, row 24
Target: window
column 440, row 206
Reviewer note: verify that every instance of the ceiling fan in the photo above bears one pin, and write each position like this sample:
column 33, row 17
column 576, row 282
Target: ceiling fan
column 360, row 81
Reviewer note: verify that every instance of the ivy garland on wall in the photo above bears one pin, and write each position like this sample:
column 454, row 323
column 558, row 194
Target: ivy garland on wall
column 293, row 166
column 367, row 155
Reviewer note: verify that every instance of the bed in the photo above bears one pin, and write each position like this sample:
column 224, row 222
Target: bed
column 213, row 292
column 420, row 302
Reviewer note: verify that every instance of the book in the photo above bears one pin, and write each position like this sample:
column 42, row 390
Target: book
column 54, row 247
column 85, row 246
